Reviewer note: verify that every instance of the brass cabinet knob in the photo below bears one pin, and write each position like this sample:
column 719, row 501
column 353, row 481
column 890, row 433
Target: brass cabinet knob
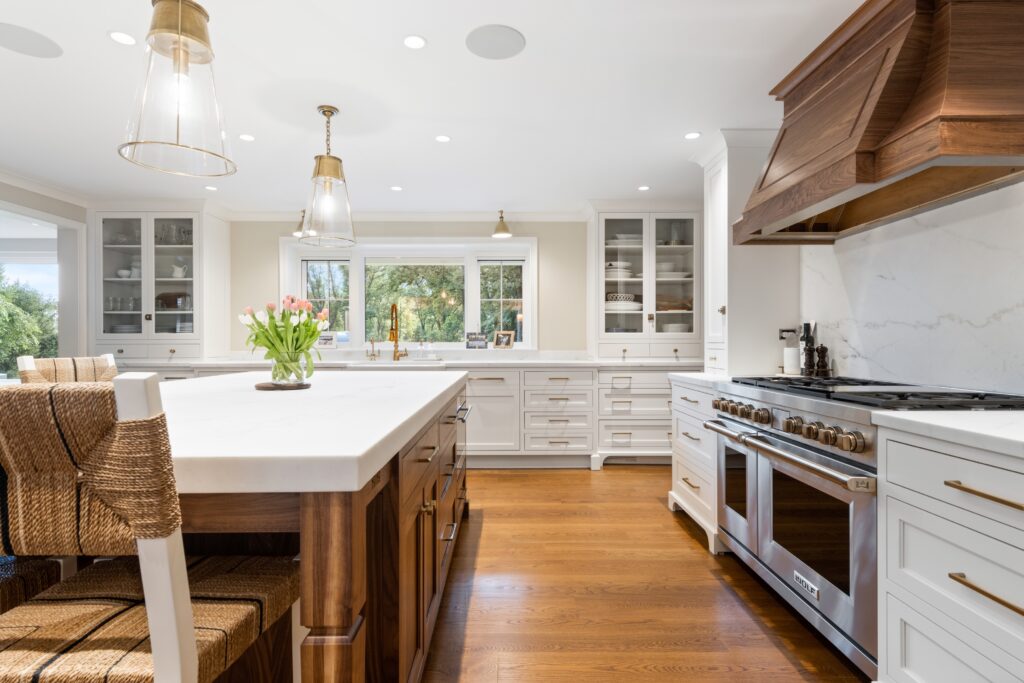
column 428, row 508
column 793, row 425
column 851, row 442
column 763, row 416
column 721, row 309
column 828, row 435
column 810, row 431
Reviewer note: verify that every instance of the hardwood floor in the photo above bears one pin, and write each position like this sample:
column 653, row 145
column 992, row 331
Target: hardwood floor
column 572, row 575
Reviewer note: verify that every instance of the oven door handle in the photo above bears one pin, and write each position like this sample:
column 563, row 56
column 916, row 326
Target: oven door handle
column 719, row 427
column 853, row 483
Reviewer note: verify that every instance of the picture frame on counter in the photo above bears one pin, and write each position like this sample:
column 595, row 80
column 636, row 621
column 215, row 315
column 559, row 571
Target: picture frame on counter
column 476, row 340
column 327, row 340
column 503, row 339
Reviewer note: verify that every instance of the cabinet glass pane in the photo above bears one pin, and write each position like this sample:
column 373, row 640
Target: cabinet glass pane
column 674, row 270
column 173, row 273
column 122, row 275
column 623, row 275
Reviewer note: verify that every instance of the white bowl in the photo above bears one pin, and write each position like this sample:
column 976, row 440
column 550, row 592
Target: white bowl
column 665, row 266
column 612, row 265
column 124, row 274
column 620, row 296
column 677, row 327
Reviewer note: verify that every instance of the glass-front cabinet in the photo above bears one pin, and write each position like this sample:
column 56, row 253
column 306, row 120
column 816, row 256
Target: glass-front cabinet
column 147, row 269
column 650, row 279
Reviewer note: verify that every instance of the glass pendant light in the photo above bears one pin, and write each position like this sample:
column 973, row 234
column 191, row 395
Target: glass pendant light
column 328, row 218
column 501, row 231
column 177, row 126
column 298, row 228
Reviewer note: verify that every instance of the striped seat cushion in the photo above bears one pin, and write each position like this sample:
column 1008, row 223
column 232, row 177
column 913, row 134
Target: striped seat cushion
column 21, row 578
column 92, row 627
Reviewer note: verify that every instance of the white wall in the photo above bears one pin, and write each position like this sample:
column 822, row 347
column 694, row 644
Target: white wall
column 938, row 298
column 561, row 269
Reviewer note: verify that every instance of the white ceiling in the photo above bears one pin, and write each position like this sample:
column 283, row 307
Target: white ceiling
column 596, row 105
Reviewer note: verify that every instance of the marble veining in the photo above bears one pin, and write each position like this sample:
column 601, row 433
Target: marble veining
column 937, row 298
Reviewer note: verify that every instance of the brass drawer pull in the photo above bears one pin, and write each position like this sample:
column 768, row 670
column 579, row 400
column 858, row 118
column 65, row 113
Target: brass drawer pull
column 486, row 379
column 428, row 508
column 695, row 487
column 559, row 398
column 463, row 416
column 622, row 433
column 433, row 451
column 558, row 443
column 559, row 379
column 558, row 421
column 450, row 537
column 959, row 486
column 690, row 436
column 962, row 579
column 689, row 400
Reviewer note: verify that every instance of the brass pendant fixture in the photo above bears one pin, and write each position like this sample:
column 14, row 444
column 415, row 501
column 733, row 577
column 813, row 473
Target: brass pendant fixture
column 177, row 126
column 501, row 231
column 327, row 221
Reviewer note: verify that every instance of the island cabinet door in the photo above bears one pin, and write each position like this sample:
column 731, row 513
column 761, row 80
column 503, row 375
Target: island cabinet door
column 419, row 595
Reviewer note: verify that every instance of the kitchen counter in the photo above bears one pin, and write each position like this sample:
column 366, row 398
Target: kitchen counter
column 999, row 431
column 708, row 380
column 237, row 364
column 227, row 437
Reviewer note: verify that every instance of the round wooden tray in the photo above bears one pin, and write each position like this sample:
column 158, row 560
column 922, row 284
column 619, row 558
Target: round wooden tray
column 270, row 386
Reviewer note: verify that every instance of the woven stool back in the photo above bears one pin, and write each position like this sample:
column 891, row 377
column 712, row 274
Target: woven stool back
column 76, row 481
column 85, row 369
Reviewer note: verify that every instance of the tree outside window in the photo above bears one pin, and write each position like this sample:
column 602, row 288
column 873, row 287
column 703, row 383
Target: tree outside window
column 325, row 283
column 430, row 298
column 28, row 316
column 501, row 297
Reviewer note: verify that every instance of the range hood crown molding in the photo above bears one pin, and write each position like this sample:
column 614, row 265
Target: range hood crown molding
column 907, row 106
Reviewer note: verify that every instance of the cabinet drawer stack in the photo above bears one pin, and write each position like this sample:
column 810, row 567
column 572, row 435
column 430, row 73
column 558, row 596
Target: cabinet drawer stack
column 694, row 458
column 558, row 411
column 951, row 562
column 634, row 414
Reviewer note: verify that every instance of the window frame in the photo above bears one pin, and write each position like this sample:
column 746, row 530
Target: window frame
column 471, row 252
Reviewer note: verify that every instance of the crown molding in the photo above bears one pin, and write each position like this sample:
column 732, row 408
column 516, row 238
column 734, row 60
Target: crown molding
column 41, row 188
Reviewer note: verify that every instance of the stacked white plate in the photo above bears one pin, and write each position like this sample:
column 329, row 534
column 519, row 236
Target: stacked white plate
column 625, row 241
column 622, row 306
column 126, row 329
column 618, row 273
column 673, row 275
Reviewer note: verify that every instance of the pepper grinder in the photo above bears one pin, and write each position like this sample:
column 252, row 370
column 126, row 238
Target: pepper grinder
column 822, row 369
column 808, row 369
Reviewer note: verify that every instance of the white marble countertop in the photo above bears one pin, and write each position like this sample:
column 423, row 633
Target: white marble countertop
column 486, row 362
column 707, row 380
column 227, row 437
column 1000, row 431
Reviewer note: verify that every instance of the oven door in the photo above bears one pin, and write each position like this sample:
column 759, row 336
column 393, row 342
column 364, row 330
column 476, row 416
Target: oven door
column 737, row 481
column 817, row 532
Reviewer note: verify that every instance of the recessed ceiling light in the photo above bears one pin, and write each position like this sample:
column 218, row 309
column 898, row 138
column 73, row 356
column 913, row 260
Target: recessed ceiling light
column 245, row 137
column 121, row 38
column 443, row 138
column 211, row 188
column 644, row 188
column 495, row 41
column 396, row 188
column 692, row 136
column 415, row 42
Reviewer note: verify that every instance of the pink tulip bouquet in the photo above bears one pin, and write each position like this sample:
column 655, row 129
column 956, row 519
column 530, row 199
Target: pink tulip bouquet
column 287, row 336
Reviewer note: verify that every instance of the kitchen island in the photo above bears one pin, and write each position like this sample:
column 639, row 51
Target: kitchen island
column 367, row 467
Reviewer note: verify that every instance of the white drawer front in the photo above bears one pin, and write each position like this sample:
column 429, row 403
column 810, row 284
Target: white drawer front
column 690, row 437
column 693, row 488
column 492, row 383
column 622, row 379
column 625, row 350
column 558, row 421
column 557, row 379
column 692, row 401
column 635, row 403
column 558, row 401
column 677, row 350
column 924, row 549
column 919, row 651
column 635, row 436
column 551, row 443
column 119, row 351
column 173, row 351
column 936, row 474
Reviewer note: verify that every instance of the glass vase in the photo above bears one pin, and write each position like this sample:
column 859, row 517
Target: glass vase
column 290, row 370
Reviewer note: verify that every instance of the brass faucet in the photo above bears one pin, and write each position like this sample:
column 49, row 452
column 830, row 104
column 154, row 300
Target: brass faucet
column 373, row 353
column 393, row 335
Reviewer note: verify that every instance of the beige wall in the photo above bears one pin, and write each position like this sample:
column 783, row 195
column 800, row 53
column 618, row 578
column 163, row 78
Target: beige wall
column 561, row 270
column 41, row 202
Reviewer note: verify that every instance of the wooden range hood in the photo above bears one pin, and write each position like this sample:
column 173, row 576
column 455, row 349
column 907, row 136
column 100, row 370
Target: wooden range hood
column 909, row 105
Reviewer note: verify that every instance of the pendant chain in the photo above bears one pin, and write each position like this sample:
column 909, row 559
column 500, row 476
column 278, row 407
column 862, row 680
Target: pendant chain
column 328, row 136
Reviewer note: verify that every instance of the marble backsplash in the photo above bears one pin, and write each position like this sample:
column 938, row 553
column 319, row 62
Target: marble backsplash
column 937, row 298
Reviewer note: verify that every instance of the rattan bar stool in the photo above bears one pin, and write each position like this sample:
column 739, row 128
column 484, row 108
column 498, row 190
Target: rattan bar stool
column 85, row 369
column 88, row 471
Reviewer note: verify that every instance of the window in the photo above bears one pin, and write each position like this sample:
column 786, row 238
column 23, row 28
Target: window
column 501, row 297
column 430, row 299
column 325, row 283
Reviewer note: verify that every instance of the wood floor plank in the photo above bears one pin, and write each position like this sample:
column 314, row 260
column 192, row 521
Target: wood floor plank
column 572, row 575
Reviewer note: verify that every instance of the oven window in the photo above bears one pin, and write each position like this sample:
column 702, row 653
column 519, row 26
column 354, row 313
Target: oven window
column 736, row 481
column 813, row 526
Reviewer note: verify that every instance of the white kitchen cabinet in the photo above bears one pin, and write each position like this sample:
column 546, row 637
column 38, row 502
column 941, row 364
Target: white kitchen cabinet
column 158, row 283
column 649, row 269
column 493, row 424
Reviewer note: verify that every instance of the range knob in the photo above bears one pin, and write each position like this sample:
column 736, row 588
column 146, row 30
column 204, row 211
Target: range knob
column 793, row 425
column 746, row 411
column 851, row 442
column 828, row 435
column 717, row 403
column 763, row 416
column 810, row 431
column 734, row 408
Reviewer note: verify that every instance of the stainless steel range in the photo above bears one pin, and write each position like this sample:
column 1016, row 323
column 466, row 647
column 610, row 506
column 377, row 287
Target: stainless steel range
column 796, row 490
